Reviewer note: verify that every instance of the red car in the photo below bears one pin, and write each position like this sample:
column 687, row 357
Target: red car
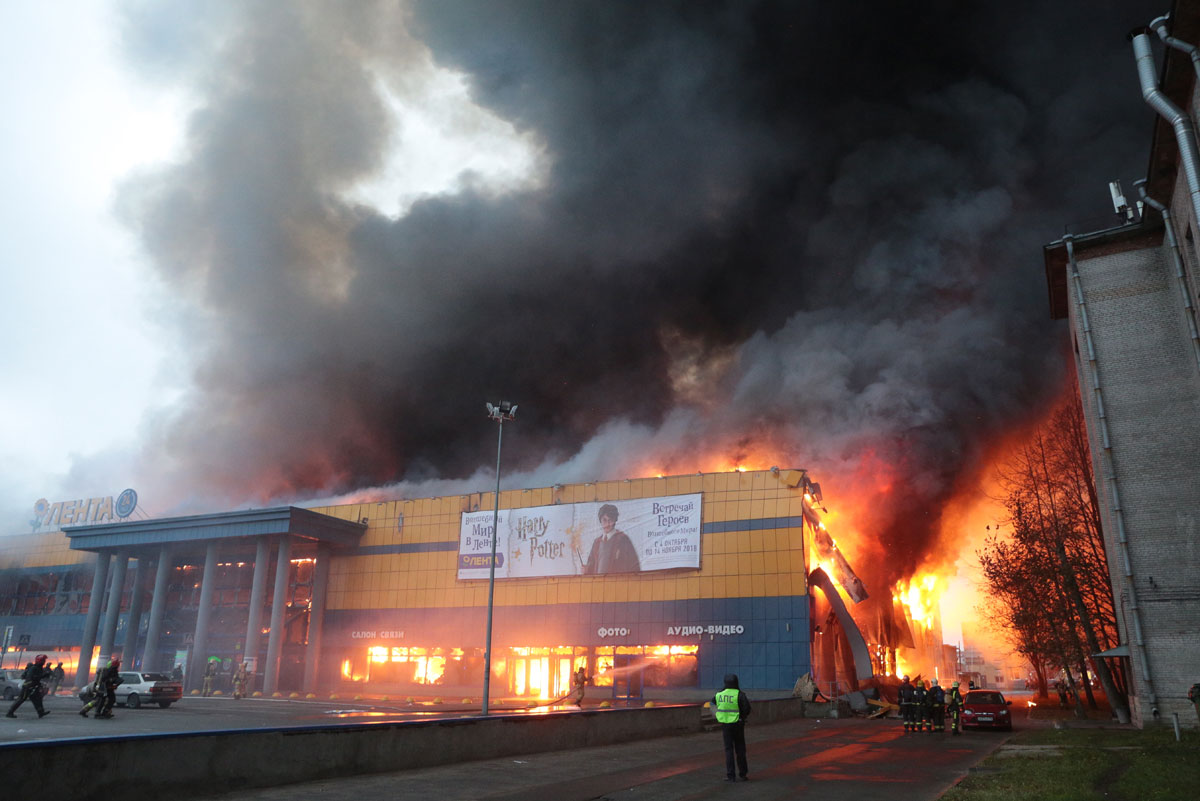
column 986, row 709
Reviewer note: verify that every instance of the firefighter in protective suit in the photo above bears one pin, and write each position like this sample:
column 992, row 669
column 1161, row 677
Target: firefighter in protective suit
column 906, row 695
column 921, row 706
column 956, row 705
column 732, row 708
column 31, row 687
column 104, row 690
column 937, row 706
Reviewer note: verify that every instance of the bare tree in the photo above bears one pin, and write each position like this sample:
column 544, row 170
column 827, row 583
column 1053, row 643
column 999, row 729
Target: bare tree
column 1053, row 569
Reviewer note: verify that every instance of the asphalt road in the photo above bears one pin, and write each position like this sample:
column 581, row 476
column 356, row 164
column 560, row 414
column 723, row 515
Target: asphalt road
column 818, row 760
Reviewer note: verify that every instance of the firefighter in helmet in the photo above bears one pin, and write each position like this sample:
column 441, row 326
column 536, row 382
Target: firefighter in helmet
column 104, row 690
column 907, row 694
column 921, row 706
column 956, row 705
column 31, row 687
column 937, row 706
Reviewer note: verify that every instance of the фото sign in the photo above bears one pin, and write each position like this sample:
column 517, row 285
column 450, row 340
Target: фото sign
column 83, row 511
column 583, row 538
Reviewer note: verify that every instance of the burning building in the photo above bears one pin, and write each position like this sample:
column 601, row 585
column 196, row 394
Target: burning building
column 730, row 572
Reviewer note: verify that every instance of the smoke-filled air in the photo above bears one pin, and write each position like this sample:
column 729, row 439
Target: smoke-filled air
column 680, row 236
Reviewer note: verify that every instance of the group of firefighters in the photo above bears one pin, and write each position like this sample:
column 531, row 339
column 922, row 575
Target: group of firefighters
column 924, row 708
column 38, row 678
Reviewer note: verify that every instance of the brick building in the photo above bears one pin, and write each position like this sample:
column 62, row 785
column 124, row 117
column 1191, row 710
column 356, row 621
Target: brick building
column 1129, row 294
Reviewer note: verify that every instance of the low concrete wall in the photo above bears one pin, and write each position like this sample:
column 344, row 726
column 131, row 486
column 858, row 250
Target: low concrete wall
column 182, row 765
column 771, row 710
column 178, row 766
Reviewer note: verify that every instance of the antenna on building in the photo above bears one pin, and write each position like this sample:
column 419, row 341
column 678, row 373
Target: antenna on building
column 1120, row 204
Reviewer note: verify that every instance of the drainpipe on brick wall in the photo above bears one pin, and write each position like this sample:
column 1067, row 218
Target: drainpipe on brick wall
column 1111, row 476
column 1159, row 26
column 1177, row 257
column 1185, row 132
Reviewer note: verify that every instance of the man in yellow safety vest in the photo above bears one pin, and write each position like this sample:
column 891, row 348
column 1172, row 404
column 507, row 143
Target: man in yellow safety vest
column 732, row 708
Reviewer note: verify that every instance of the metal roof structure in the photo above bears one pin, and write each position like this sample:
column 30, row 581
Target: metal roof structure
column 300, row 524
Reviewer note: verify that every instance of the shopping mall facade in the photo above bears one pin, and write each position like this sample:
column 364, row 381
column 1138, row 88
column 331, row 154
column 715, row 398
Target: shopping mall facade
column 391, row 597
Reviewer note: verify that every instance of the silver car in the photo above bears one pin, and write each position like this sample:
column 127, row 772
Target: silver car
column 10, row 683
column 136, row 689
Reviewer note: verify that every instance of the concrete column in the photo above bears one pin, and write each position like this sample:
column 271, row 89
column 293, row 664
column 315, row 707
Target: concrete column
column 135, row 615
column 99, row 579
column 150, row 658
column 113, row 612
column 262, row 559
column 195, row 676
column 316, row 619
column 278, row 604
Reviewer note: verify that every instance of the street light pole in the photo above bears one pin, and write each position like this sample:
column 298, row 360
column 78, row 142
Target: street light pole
column 500, row 412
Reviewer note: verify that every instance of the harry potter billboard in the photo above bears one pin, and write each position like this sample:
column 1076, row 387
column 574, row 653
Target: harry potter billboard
column 583, row 538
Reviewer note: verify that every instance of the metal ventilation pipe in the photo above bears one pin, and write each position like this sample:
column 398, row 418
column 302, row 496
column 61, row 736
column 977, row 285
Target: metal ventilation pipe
column 1110, row 474
column 1159, row 26
column 1177, row 258
column 1185, row 132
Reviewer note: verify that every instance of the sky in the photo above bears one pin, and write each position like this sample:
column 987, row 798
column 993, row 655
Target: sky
column 264, row 253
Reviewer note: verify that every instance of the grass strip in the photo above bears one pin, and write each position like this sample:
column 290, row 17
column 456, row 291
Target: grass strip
column 1089, row 764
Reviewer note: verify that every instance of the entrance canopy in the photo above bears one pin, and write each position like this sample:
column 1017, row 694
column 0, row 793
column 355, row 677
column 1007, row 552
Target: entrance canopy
column 300, row 524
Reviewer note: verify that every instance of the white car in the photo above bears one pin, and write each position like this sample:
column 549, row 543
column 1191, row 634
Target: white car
column 136, row 689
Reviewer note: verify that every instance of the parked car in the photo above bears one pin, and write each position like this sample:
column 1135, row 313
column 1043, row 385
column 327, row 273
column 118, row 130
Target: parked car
column 986, row 709
column 136, row 689
column 10, row 683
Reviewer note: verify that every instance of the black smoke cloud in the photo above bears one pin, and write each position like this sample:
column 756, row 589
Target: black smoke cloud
column 805, row 229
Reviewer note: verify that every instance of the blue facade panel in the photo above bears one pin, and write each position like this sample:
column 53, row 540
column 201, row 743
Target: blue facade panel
column 747, row 636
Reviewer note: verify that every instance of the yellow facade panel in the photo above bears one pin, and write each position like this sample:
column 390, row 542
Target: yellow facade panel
column 743, row 510
column 795, row 539
column 770, row 508
column 757, row 508
column 758, row 566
